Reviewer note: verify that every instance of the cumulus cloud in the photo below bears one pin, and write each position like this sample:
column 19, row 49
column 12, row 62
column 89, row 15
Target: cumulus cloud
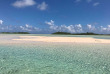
column 78, row 28
column 24, row 3
column 108, row 28
column 65, row 28
column 29, row 28
column 6, row 28
column 1, row 22
column 43, row 6
column 23, row 28
column 61, row 28
column 52, row 27
column 103, row 28
column 96, row 4
column 50, row 23
column 91, row 28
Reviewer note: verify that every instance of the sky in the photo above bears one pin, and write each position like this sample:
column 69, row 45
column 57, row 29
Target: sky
column 48, row 16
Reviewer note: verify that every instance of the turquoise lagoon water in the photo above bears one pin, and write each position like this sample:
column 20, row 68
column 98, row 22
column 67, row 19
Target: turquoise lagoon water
column 50, row 35
column 94, row 36
column 54, row 58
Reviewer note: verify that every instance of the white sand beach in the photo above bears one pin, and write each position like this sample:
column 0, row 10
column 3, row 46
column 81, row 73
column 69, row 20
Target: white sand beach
column 62, row 39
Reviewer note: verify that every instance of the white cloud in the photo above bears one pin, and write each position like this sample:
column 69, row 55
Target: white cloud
column 71, row 29
column 89, row 26
column 103, row 28
column 27, row 25
column 65, row 28
column 21, row 27
column 96, row 4
column 61, row 28
column 78, row 28
column 52, row 27
column 50, row 23
column 24, row 3
column 29, row 28
column 1, row 21
column 24, row 28
column 108, row 27
column 43, row 6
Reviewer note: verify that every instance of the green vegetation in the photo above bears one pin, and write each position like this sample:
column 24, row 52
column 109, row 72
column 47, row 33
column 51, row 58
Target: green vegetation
column 66, row 33
column 62, row 33
column 14, row 33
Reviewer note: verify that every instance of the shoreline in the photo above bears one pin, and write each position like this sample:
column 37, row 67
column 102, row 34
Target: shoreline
column 62, row 39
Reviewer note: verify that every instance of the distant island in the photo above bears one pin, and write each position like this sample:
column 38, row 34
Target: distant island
column 88, row 33
column 14, row 33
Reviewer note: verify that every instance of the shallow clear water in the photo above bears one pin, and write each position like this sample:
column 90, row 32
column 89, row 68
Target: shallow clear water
column 51, row 35
column 55, row 59
column 94, row 36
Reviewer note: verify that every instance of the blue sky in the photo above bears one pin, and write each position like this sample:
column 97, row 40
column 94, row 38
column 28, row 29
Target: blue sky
column 48, row 16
